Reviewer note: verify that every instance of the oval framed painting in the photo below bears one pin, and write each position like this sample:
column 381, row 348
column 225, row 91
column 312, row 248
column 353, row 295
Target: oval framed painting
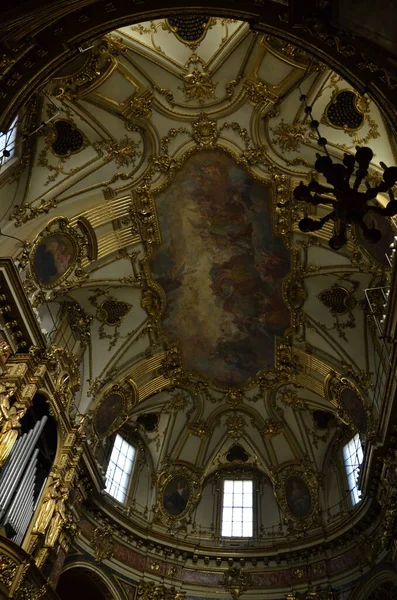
column 107, row 413
column 352, row 404
column 53, row 259
column 298, row 498
column 176, row 495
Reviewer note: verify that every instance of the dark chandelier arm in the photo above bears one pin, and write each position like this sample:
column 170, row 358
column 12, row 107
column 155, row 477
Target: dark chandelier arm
column 308, row 225
column 390, row 210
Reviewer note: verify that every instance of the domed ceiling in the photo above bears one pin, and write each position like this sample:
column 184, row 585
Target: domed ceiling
column 163, row 178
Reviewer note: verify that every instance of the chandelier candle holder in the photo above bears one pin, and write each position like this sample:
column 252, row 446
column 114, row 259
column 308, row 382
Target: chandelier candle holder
column 351, row 199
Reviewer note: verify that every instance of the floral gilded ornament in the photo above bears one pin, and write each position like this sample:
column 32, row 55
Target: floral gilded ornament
column 198, row 85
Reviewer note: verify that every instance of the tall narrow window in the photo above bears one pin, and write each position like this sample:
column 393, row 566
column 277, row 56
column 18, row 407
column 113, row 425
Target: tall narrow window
column 237, row 508
column 119, row 468
column 353, row 457
column 7, row 143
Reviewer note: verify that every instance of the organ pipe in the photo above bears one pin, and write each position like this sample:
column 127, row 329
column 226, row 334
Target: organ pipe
column 21, row 501
column 13, row 476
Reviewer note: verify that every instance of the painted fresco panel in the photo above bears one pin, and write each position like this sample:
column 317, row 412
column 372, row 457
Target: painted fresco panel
column 221, row 269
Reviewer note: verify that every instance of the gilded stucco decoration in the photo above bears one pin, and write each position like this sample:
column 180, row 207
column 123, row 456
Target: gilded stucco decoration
column 198, row 85
column 236, row 581
column 52, row 263
column 178, row 491
column 102, row 543
column 99, row 65
column 352, row 406
column 296, row 490
column 150, row 590
column 111, row 313
column 113, row 409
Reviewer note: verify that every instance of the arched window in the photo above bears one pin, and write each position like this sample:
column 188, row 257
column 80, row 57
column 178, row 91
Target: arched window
column 119, row 468
column 353, row 457
column 7, row 144
column 237, row 508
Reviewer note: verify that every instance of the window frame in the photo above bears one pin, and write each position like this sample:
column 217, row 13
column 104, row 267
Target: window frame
column 127, row 487
column 352, row 470
column 6, row 163
column 230, row 476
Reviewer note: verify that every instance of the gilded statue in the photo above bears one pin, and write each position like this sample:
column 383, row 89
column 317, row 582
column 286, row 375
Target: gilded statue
column 5, row 395
column 58, row 518
column 49, row 503
column 10, row 429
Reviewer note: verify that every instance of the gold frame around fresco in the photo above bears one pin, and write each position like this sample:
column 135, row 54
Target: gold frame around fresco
column 129, row 398
column 333, row 388
column 82, row 242
column 169, row 471
column 204, row 134
column 302, row 471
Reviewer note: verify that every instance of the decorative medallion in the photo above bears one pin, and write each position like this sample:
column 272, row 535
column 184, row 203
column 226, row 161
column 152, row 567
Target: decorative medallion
column 190, row 29
column 113, row 409
column 67, row 139
column 350, row 405
column 296, row 490
column 298, row 497
column 178, row 491
column 54, row 260
column 106, row 414
column 346, row 111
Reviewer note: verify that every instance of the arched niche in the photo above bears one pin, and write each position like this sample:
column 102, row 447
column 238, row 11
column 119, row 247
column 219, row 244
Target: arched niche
column 380, row 584
column 58, row 39
column 85, row 581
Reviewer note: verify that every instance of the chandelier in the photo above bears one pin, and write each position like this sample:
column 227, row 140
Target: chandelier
column 350, row 200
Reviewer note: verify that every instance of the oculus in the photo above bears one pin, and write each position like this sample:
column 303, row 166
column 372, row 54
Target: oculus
column 54, row 258
column 148, row 421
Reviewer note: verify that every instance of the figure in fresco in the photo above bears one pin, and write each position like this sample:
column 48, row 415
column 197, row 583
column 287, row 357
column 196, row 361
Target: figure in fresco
column 176, row 495
column 298, row 497
column 221, row 269
column 10, row 430
column 52, row 258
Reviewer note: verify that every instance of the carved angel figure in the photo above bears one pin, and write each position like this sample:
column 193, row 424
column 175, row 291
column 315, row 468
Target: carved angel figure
column 10, row 428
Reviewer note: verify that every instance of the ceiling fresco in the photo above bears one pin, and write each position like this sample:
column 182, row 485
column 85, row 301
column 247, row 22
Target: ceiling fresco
column 221, row 268
column 194, row 300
